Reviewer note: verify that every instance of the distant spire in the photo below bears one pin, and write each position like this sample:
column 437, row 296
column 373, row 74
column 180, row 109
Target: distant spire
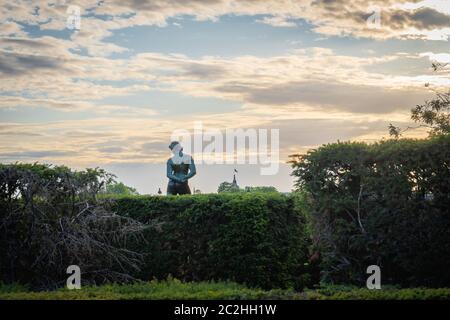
column 234, row 178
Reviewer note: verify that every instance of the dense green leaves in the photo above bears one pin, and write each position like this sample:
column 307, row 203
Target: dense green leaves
column 384, row 204
column 175, row 289
column 120, row 188
column 254, row 238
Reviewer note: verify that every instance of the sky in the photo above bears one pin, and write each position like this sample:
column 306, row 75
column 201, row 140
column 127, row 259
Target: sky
column 111, row 91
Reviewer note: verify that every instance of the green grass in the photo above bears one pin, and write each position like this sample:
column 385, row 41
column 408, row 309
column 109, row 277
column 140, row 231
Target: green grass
column 153, row 290
column 386, row 293
column 175, row 289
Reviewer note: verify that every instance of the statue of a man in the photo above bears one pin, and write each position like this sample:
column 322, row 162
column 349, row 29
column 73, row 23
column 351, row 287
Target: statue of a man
column 180, row 168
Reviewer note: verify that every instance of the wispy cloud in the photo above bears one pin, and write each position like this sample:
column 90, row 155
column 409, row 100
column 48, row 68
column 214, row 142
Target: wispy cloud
column 95, row 96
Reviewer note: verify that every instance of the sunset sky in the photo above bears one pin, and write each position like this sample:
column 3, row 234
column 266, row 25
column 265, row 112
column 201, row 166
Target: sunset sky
column 110, row 94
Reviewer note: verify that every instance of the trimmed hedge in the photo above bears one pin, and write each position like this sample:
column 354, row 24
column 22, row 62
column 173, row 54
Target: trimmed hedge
column 383, row 294
column 152, row 290
column 385, row 204
column 254, row 238
column 50, row 218
column 175, row 289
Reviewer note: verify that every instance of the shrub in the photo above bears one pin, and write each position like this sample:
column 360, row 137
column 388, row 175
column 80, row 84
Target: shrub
column 153, row 290
column 254, row 238
column 354, row 293
column 119, row 188
column 50, row 218
column 175, row 289
column 384, row 204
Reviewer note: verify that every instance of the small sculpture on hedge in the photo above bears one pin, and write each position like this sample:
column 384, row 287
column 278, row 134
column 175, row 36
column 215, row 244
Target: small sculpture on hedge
column 180, row 168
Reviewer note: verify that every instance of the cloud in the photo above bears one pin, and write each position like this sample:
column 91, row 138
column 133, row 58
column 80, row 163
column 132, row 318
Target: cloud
column 111, row 149
column 301, row 134
column 278, row 21
column 11, row 28
column 19, row 64
column 203, row 71
column 338, row 17
column 423, row 18
column 45, row 67
column 30, row 43
column 316, row 77
column 38, row 154
column 313, row 95
column 14, row 102
column 437, row 57
column 397, row 19
column 334, row 95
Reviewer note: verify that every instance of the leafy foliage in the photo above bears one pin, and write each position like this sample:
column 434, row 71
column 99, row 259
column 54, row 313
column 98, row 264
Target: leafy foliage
column 384, row 204
column 253, row 238
column 354, row 293
column 119, row 188
column 167, row 289
column 434, row 114
column 50, row 218
column 175, row 289
column 261, row 189
column 228, row 187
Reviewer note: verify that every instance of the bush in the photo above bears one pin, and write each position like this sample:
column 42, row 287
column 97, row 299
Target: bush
column 50, row 218
column 53, row 217
column 175, row 289
column 384, row 204
column 254, row 238
column 353, row 293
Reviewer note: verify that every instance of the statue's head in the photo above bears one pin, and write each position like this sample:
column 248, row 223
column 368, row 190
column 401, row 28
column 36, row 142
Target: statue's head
column 175, row 147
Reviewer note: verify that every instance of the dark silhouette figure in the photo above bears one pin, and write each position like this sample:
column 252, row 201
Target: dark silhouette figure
column 180, row 168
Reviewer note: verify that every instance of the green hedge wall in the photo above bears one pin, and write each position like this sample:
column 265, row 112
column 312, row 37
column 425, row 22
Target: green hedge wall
column 258, row 239
column 385, row 204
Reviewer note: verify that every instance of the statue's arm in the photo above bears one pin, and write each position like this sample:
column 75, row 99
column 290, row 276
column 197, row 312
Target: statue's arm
column 192, row 170
column 169, row 172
